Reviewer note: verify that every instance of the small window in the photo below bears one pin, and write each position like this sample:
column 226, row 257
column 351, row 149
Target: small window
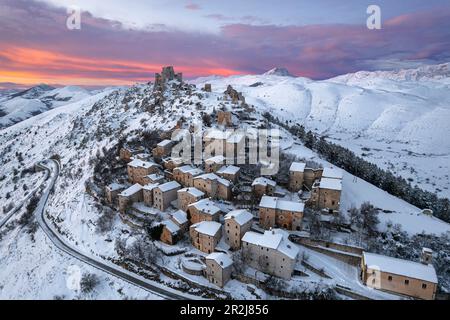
column 424, row 285
column 390, row 278
column 406, row 282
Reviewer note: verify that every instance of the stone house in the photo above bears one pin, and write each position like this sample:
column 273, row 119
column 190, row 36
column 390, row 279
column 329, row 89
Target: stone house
column 153, row 178
column 170, row 233
column 112, row 192
column 224, row 118
column 214, row 164
column 237, row 223
column 188, row 196
column 165, row 194
column 147, row 192
column 129, row 196
column 171, row 163
column 235, row 147
column 218, row 268
column 180, row 219
column 230, row 173
column 207, row 87
column 138, row 169
column 271, row 253
column 185, row 175
column 205, row 235
column 163, row 149
column 203, row 210
column 326, row 194
column 332, row 173
column 274, row 212
column 213, row 186
column 262, row 186
column 417, row 280
column 296, row 176
column 127, row 152
column 215, row 141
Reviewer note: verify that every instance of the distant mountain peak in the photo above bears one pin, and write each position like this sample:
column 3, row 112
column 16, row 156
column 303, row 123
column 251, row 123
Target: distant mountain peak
column 279, row 71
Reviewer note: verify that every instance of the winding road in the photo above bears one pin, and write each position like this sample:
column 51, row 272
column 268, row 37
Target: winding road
column 148, row 285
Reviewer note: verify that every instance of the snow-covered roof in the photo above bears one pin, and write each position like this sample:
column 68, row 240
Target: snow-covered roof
column 221, row 258
column 169, row 186
column 155, row 177
column 115, row 186
column 217, row 159
column 193, row 191
column 332, row 184
column 276, row 203
column 212, row 176
column 180, row 217
column 171, row 226
column 206, row 206
column 189, row 169
column 297, row 167
column 240, row 216
column 137, row 163
column 131, row 190
column 229, row 170
column 400, row 267
column 273, row 239
column 150, row 187
column 210, row 228
column 333, row 173
column 261, row 181
column 164, row 143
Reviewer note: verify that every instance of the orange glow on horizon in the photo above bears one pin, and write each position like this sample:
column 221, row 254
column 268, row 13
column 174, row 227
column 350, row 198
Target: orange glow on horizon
column 30, row 66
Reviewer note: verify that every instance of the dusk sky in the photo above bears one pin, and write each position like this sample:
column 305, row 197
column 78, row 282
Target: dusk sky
column 122, row 42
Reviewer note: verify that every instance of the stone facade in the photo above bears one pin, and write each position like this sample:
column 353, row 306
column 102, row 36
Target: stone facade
column 214, row 164
column 326, row 194
column 213, row 186
column 296, row 176
column 180, row 219
column 163, row 149
column 218, row 268
column 129, row 196
column 126, row 153
column 205, row 235
column 171, row 163
column 147, row 192
column 164, row 194
column 271, row 253
column 399, row 276
column 138, row 170
column 237, row 223
column 274, row 212
column 185, row 175
column 230, row 173
column 112, row 192
column 170, row 233
column 224, row 118
column 263, row 186
column 188, row 196
column 203, row 210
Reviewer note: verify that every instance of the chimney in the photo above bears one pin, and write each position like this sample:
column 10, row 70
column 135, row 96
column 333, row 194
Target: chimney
column 427, row 256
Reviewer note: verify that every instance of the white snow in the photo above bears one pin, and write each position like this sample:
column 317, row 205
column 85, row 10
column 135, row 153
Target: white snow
column 241, row 216
column 400, row 267
column 276, row 203
column 297, row 167
column 210, row 228
column 221, row 258
column 331, row 184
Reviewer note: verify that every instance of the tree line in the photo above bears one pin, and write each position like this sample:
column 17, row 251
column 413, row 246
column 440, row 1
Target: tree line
column 357, row 166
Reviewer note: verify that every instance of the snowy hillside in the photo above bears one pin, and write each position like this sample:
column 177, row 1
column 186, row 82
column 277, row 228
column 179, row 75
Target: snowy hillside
column 398, row 120
column 28, row 103
column 80, row 132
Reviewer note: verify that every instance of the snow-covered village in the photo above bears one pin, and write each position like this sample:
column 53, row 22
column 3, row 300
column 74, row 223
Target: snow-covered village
column 242, row 186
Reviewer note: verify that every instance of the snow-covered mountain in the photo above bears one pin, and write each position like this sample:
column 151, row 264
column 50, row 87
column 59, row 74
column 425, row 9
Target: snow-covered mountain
column 282, row 72
column 80, row 132
column 22, row 105
column 397, row 119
